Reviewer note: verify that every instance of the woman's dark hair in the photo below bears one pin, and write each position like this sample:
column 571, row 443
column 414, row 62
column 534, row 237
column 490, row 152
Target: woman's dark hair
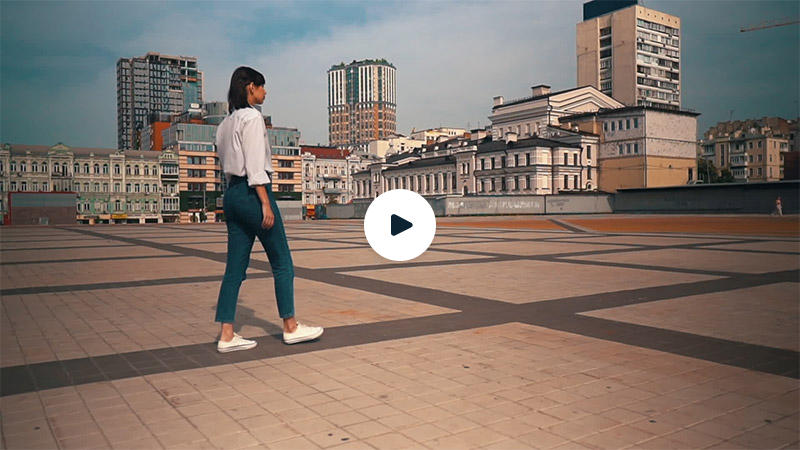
column 237, row 93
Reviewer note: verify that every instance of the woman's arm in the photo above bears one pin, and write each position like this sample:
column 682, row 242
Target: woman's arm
column 266, row 209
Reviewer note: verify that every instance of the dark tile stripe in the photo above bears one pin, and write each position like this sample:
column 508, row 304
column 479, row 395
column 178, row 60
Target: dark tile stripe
column 82, row 260
column 121, row 284
column 748, row 356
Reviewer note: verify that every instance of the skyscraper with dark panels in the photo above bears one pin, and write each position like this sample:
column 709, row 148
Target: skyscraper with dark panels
column 361, row 103
column 153, row 83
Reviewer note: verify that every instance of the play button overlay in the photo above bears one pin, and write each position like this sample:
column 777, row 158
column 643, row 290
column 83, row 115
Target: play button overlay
column 399, row 225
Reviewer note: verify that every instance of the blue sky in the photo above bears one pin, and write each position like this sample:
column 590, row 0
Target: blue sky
column 57, row 60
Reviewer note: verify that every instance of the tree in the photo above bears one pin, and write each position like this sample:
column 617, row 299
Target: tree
column 725, row 177
column 708, row 173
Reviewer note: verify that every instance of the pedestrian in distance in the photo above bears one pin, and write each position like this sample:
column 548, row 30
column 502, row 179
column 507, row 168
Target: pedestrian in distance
column 251, row 212
column 778, row 207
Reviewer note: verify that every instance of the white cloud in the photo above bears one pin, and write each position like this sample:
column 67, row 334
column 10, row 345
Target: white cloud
column 450, row 62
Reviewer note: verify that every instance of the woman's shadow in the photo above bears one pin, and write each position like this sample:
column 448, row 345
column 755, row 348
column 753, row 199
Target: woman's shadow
column 247, row 316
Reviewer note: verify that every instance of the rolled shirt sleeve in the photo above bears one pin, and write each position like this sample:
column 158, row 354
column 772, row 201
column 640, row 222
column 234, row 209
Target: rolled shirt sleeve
column 255, row 152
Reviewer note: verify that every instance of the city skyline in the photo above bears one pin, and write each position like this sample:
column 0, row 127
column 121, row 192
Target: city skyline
column 58, row 69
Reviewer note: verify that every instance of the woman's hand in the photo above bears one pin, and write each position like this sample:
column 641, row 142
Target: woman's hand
column 269, row 218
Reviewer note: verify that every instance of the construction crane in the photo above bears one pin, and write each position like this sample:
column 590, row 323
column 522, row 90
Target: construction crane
column 771, row 24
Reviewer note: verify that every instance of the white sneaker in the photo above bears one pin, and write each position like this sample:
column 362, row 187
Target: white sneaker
column 302, row 333
column 237, row 343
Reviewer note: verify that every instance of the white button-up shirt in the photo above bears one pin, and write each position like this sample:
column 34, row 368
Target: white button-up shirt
column 243, row 147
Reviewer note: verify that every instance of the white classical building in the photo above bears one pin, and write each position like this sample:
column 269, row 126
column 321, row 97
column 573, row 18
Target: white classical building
column 435, row 134
column 529, row 116
column 396, row 143
column 327, row 174
column 112, row 186
column 483, row 166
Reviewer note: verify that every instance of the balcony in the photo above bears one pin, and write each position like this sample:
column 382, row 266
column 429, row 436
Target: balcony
column 332, row 191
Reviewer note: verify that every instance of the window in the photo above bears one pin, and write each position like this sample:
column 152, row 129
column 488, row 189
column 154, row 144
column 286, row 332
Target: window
column 566, row 181
column 86, row 168
column 23, row 167
column 13, row 166
column 97, row 187
column 605, row 126
column 635, row 148
column 483, row 164
column 566, row 159
column 35, row 167
column 155, row 187
column 575, row 159
column 628, row 148
column 24, row 186
column 516, row 160
column 760, row 158
column 44, row 167
column 621, row 152
column 575, row 181
column 85, row 187
column 13, row 185
column 146, row 186
column 527, row 159
column 759, row 171
column 116, row 187
column 35, row 186
column 589, row 173
column 116, row 169
column 105, row 187
column 147, row 170
column 492, row 165
column 127, row 187
column 635, row 122
column 627, row 124
column 97, row 168
column 127, row 169
column 136, row 169
column 105, row 169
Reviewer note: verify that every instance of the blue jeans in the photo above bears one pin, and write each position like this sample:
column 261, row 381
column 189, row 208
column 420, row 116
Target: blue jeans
column 243, row 217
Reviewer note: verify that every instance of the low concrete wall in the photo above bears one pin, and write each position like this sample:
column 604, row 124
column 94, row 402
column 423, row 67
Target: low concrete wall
column 579, row 204
column 733, row 198
column 488, row 205
column 290, row 209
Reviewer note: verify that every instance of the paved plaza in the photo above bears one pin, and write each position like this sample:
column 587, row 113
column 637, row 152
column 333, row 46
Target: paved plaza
column 508, row 333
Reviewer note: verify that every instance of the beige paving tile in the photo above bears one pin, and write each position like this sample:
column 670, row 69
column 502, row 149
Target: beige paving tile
column 739, row 315
column 551, row 280
column 702, row 260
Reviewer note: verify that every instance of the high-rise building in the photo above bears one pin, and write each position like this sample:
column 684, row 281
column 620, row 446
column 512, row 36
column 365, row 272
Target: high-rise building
column 361, row 103
column 630, row 52
column 153, row 83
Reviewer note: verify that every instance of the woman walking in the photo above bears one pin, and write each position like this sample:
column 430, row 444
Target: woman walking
column 250, row 212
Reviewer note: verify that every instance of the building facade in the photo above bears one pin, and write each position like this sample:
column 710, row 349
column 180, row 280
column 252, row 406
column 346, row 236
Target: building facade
column 285, row 144
column 328, row 174
column 153, row 83
column 642, row 147
column 393, row 144
column 631, row 53
column 112, row 186
column 362, row 103
column 434, row 134
column 483, row 166
column 201, row 181
column 530, row 116
column 752, row 150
